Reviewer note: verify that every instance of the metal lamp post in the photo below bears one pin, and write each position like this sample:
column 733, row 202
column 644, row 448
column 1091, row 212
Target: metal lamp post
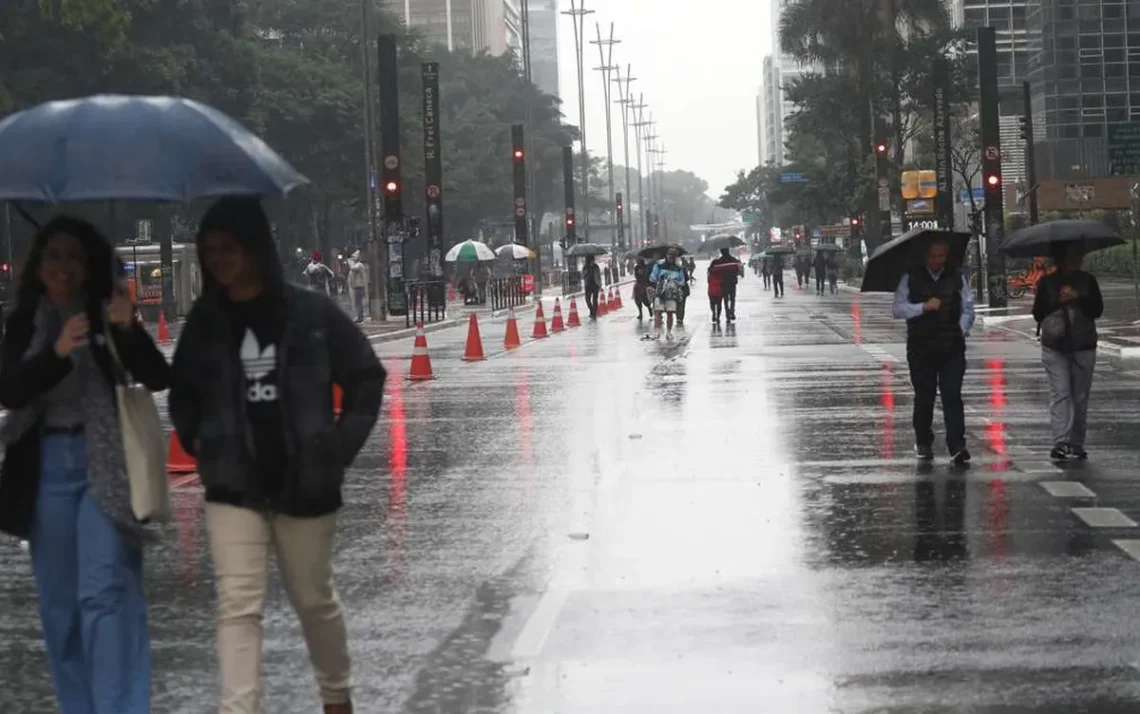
column 626, row 102
column 578, row 13
column 639, row 127
column 605, row 54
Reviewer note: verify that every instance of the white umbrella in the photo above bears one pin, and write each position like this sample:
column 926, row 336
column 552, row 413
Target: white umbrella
column 469, row 251
column 515, row 251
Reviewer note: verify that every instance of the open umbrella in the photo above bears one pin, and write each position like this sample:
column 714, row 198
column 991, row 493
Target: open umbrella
column 112, row 147
column 514, row 251
column 584, row 249
column 827, row 248
column 722, row 241
column 469, row 251
column 891, row 261
column 657, row 252
column 780, row 250
column 1032, row 241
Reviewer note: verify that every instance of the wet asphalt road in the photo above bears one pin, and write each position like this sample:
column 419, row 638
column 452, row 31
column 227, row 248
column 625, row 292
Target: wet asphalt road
column 732, row 523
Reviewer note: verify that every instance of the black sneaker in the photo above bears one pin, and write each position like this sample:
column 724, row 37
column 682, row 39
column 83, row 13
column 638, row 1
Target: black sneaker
column 1078, row 452
column 924, row 453
column 960, row 458
column 1060, row 452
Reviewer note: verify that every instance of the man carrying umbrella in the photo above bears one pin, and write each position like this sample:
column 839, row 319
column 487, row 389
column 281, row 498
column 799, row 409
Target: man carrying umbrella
column 593, row 277
column 728, row 270
column 936, row 302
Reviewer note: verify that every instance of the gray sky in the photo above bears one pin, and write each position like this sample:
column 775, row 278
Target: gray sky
column 698, row 63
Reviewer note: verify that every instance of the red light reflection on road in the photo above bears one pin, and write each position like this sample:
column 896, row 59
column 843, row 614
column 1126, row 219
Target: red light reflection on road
column 995, row 378
column 397, row 468
column 997, row 518
column 857, row 318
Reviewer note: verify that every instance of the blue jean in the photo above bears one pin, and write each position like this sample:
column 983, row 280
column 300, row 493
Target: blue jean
column 358, row 295
column 90, row 589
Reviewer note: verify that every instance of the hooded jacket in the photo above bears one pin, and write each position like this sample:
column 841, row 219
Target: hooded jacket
column 319, row 347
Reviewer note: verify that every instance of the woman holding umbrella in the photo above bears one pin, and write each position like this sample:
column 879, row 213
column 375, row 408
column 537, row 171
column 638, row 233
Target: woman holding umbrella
column 1066, row 308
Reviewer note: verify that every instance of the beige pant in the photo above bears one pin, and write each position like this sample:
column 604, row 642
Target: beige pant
column 240, row 542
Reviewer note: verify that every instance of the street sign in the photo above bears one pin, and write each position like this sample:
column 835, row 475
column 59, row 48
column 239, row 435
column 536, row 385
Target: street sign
column 793, row 177
column 1124, row 149
column 978, row 191
column 748, row 217
column 528, row 283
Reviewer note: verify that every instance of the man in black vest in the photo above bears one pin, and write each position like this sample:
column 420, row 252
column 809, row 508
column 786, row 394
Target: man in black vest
column 936, row 302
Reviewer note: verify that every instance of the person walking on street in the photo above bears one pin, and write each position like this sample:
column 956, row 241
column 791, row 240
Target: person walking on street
column 64, row 486
column 317, row 274
column 778, row 275
column 667, row 278
column 729, row 270
column 820, row 265
column 358, row 284
column 936, row 302
column 766, row 272
column 252, row 401
column 716, row 294
column 592, row 275
column 688, row 266
column 641, row 287
column 1066, row 308
column 833, row 274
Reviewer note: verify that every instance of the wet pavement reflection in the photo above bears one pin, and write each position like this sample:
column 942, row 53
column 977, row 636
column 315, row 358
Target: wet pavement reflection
column 733, row 522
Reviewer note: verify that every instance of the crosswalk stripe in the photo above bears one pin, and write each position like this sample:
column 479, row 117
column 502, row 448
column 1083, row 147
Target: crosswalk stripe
column 1104, row 518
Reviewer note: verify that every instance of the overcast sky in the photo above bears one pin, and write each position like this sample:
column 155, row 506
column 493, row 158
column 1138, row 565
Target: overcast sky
column 698, row 63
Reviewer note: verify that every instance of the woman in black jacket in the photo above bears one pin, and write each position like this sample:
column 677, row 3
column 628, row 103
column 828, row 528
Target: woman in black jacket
column 1068, row 303
column 64, row 486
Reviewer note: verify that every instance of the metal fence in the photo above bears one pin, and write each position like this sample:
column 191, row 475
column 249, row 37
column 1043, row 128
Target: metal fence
column 506, row 292
column 427, row 301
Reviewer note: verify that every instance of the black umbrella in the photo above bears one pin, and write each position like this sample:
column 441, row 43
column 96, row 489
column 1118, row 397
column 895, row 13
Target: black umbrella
column 827, row 247
column 1033, row 241
column 582, row 249
column 657, row 252
column 780, row 250
column 891, row 261
column 721, row 242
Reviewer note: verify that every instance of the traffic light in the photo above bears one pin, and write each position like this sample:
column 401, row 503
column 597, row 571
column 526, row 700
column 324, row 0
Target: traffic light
column 518, row 154
column 1023, row 129
column 569, row 221
column 391, row 188
column 993, row 181
column 881, row 148
column 856, row 224
column 620, row 204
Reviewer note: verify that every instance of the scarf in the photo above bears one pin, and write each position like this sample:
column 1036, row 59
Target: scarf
column 106, row 464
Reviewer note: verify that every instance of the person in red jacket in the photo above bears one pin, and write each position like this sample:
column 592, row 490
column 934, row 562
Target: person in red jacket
column 716, row 294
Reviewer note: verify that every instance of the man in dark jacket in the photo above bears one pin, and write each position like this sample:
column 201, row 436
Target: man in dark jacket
column 592, row 275
column 252, row 400
column 729, row 270
column 936, row 302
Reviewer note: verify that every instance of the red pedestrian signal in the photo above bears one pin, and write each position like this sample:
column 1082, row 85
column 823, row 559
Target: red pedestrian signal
column 4, row 267
column 518, row 154
column 881, row 147
column 569, row 220
column 993, row 180
column 391, row 187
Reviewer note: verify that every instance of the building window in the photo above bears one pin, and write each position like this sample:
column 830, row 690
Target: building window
column 1089, row 42
column 1113, row 56
column 1092, row 101
column 1113, row 40
column 1072, row 131
column 1092, row 130
column 1114, row 70
column 1116, row 116
column 1090, row 71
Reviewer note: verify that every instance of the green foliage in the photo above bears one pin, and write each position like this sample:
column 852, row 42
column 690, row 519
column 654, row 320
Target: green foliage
column 1113, row 262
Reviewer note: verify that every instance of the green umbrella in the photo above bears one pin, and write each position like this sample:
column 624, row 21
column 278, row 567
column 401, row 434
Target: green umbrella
column 469, row 251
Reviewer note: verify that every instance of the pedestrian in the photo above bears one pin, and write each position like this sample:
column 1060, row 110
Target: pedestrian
column 641, row 287
column 1066, row 308
column 936, row 302
column 688, row 267
column 729, row 270
column 833, row 274
column 358, row 283
column 716, row 294
column 253, row 379
column 64, row 486
column 778, row 275
column 800, row 265
column 592, row 276
column 820, row 265
column 317, row 273
column 766, row 272
column 667, row 278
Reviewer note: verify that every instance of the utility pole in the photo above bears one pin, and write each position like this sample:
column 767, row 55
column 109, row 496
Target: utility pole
column 659, row 182
column 606, row 54
column 528, row 133
column 991, row 165
column 640, row 126
column 651, row 181
column 578, row 13
column 390, row 175
column 377, row 303
column 626, row 102
column 1025, row 122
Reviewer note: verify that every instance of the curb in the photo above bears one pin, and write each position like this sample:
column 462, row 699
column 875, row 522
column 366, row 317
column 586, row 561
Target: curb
column 407, row 332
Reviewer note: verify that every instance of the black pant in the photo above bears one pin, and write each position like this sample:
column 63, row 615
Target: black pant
column 778, row 282
column 714, row 305
column 592, row 299
column 819, row 280
column 681, row 307
column 932, row 372
column 730, row 302
column 767, row 280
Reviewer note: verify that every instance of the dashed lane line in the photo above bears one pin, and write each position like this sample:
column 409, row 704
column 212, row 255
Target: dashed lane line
column 1067, row 489
column 1104, row 518
column 1130, row 546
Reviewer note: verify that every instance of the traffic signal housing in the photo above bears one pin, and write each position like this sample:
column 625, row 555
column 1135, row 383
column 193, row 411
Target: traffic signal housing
column 1023, row 129
column 881, row 148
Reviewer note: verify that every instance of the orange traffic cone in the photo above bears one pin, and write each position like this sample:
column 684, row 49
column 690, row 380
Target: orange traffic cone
column 602, row 305
column 421, row 361
column 556, row 321
column 617, row 298
column 163, row 329
column 474, row 351
column 338, row 399
column 539, row 322
column 611, row 301
column 573, row 320
column 511, row 339
column 177, row 460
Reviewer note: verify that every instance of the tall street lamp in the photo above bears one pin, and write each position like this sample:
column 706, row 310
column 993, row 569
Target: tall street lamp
column 577, row 13
column 605, row 54
column 640, row 127
column 626, row 102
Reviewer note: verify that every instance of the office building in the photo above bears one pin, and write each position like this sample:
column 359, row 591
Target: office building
column 770, row 108
column 544, row 45
column 493, row 26
column 1009, row 20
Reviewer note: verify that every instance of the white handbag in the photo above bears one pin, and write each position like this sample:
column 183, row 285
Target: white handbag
column 144, row 448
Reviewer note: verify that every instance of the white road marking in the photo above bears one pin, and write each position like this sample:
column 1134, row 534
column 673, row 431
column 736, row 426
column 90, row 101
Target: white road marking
column 1131, row 548
column 1067, row 489
column 1104, row 518
column 539, row 625
column 1038, row 467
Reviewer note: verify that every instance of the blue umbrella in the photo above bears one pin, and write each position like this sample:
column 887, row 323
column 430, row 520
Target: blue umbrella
column 109, row 147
